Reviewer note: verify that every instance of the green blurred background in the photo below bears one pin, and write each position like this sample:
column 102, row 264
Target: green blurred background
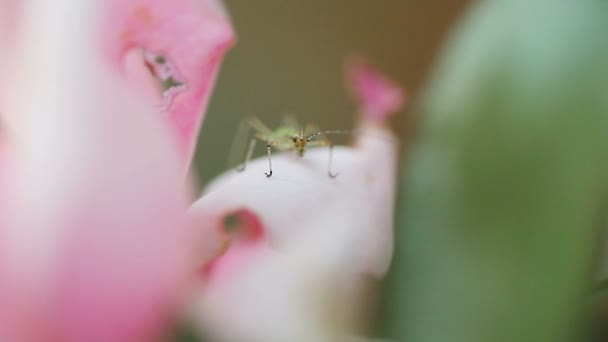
column 290, row 56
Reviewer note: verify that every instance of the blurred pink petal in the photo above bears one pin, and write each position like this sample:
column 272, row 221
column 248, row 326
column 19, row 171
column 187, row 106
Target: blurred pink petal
column 181, row 43
column 242, row 238
column 3, row 184
column 94, row 244
column 10, row 15
column 377, row 96
column 323, row 238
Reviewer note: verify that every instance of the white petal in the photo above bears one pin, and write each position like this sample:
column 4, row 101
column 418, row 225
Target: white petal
column 325, row 236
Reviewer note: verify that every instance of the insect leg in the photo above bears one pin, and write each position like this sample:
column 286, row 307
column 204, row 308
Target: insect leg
column 258, row 126
column 261, row 133
column 238, row 144
column 268, row 150
column 248, row 156
column 326, row 142
column 331, row 152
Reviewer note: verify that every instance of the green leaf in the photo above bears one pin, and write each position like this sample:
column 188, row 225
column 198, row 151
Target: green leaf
column 499, row 209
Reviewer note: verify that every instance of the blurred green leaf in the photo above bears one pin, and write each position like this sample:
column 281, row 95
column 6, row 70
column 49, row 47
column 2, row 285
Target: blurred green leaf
column 499, row 210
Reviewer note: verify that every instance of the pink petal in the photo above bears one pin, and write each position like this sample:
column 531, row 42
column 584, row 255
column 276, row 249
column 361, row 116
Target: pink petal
column 94, row 247
column 10, row 15
column 233, row 243
column 3, row 184
column 377, row 96
column 323, row 236
column 182, row 42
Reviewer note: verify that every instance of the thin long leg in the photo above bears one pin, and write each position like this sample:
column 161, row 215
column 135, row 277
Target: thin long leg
column 331, row 153
column 238, row 144
column 259, row 126
column 262, row 132
column 248, row 156
column 268, row 150
column 328, row 143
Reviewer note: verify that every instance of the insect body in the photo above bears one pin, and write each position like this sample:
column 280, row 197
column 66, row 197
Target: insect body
column 289, row 137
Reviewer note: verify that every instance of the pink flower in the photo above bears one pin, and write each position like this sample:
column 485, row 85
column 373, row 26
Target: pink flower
column 378, row 96
column 299, row 249
column 95, row 244
column 101, row 102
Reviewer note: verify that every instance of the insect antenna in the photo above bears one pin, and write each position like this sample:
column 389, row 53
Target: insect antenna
column 348, row 132
column 330, row 132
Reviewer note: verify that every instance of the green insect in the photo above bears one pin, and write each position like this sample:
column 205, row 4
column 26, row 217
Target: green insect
column 287, row 137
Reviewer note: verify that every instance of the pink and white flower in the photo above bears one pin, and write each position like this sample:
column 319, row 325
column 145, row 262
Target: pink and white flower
column 94, row 239
column 306, row 245
column 100, row 107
